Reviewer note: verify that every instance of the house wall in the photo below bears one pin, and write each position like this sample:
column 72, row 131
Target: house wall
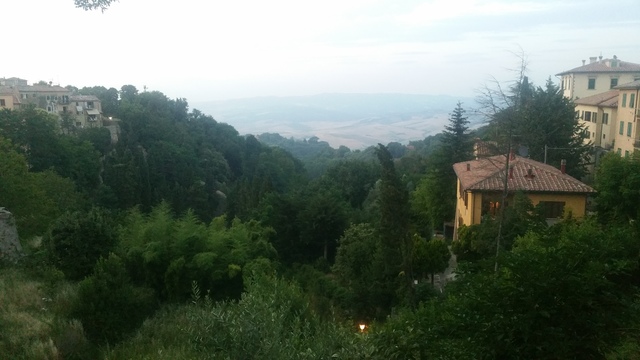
column 472, row 213
column 627, row 113
column 576, row 203
column 8, row 102
column 579, row 83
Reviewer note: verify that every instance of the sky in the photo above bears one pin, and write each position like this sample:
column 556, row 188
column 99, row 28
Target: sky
column 217, row 50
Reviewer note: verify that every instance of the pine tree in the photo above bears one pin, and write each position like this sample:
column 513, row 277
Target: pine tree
column 456, row 139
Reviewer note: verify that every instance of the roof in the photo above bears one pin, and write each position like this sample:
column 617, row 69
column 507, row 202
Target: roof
column 627, row 86
column 605, row 99
column 83, row 98
column 7, row 90
column 604, row 66
column 41, row 88
column 487, row 174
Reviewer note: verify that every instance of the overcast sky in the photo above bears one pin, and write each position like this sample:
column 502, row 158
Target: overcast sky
column 212, row 50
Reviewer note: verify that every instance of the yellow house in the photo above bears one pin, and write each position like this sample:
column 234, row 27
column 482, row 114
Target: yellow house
column 481, row 185
column 598, row 76
column 627, row 132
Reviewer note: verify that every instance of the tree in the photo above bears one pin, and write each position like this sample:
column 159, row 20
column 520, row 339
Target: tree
column 108, row 304
column 435, row 195
column 356, row 271
column 77, row 240
column 618, row 186
column 93, row 4
column 430, row 256
column 396, row 243
column 549, row 120
column 456, row 140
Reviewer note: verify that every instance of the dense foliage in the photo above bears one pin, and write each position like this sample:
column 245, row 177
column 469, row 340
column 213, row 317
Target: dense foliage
column 183, row 239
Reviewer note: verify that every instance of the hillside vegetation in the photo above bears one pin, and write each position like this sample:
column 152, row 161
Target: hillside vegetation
column 185, row 240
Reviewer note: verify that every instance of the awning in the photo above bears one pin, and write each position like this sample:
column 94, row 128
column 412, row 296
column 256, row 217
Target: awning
column 93, row 112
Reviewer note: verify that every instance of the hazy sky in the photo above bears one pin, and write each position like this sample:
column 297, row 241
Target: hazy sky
column 210, row 50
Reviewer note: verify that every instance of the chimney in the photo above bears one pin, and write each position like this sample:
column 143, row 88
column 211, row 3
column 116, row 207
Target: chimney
column 529, row 173
column 583, row 62
column 563, row 166
column 600, row 58
column 593, row 59
column 510, row 172
column 468, row 167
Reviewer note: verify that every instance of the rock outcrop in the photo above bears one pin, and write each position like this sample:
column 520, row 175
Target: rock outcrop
column 10, row 248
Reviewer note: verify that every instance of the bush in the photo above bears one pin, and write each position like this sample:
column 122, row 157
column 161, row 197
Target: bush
column 77, row 240
column 108, row 305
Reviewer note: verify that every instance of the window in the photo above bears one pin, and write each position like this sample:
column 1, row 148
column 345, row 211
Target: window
column 632, row 100
column 621, row 131
column 626, row 153
column 587, row 116
column 605, row 118
column 34, row 95
column 552, row 209
column 604, row 136
column 592, row 84
column 629, row 128
column 466, row 200
column 2, row 103
column 593, row 134
column 614, row 83
column 619, row 151
column 89, row 104
column 594, row 118
column 48, row 97
column 624, row 100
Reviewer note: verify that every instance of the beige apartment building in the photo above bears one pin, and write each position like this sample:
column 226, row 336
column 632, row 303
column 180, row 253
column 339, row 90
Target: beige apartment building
column 598, row 76
column 598, row 114
column 627, row 133
column 605, row 93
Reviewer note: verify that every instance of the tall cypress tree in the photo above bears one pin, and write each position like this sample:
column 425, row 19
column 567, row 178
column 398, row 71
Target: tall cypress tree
column 396, row 243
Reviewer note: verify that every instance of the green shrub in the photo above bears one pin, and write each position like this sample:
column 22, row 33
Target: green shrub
column 108, row 305
column 77, row 240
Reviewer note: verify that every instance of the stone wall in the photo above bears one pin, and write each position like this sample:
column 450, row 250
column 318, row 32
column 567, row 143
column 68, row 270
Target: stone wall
column 10, row 248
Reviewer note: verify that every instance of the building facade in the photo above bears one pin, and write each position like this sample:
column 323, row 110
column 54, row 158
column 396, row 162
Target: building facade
column 83, row 110
column 627, row 134
column 598, row 76
column 480, row 188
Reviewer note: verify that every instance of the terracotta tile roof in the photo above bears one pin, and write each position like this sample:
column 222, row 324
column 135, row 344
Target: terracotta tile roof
column 488, row 175
column 604, row 66
column 631, row 85
column 606, row 99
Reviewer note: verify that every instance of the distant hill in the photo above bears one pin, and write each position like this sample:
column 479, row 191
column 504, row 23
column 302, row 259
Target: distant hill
column 352, row 120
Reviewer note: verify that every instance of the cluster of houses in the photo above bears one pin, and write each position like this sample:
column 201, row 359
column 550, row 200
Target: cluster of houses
column 606, row 95
column 85, row 110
